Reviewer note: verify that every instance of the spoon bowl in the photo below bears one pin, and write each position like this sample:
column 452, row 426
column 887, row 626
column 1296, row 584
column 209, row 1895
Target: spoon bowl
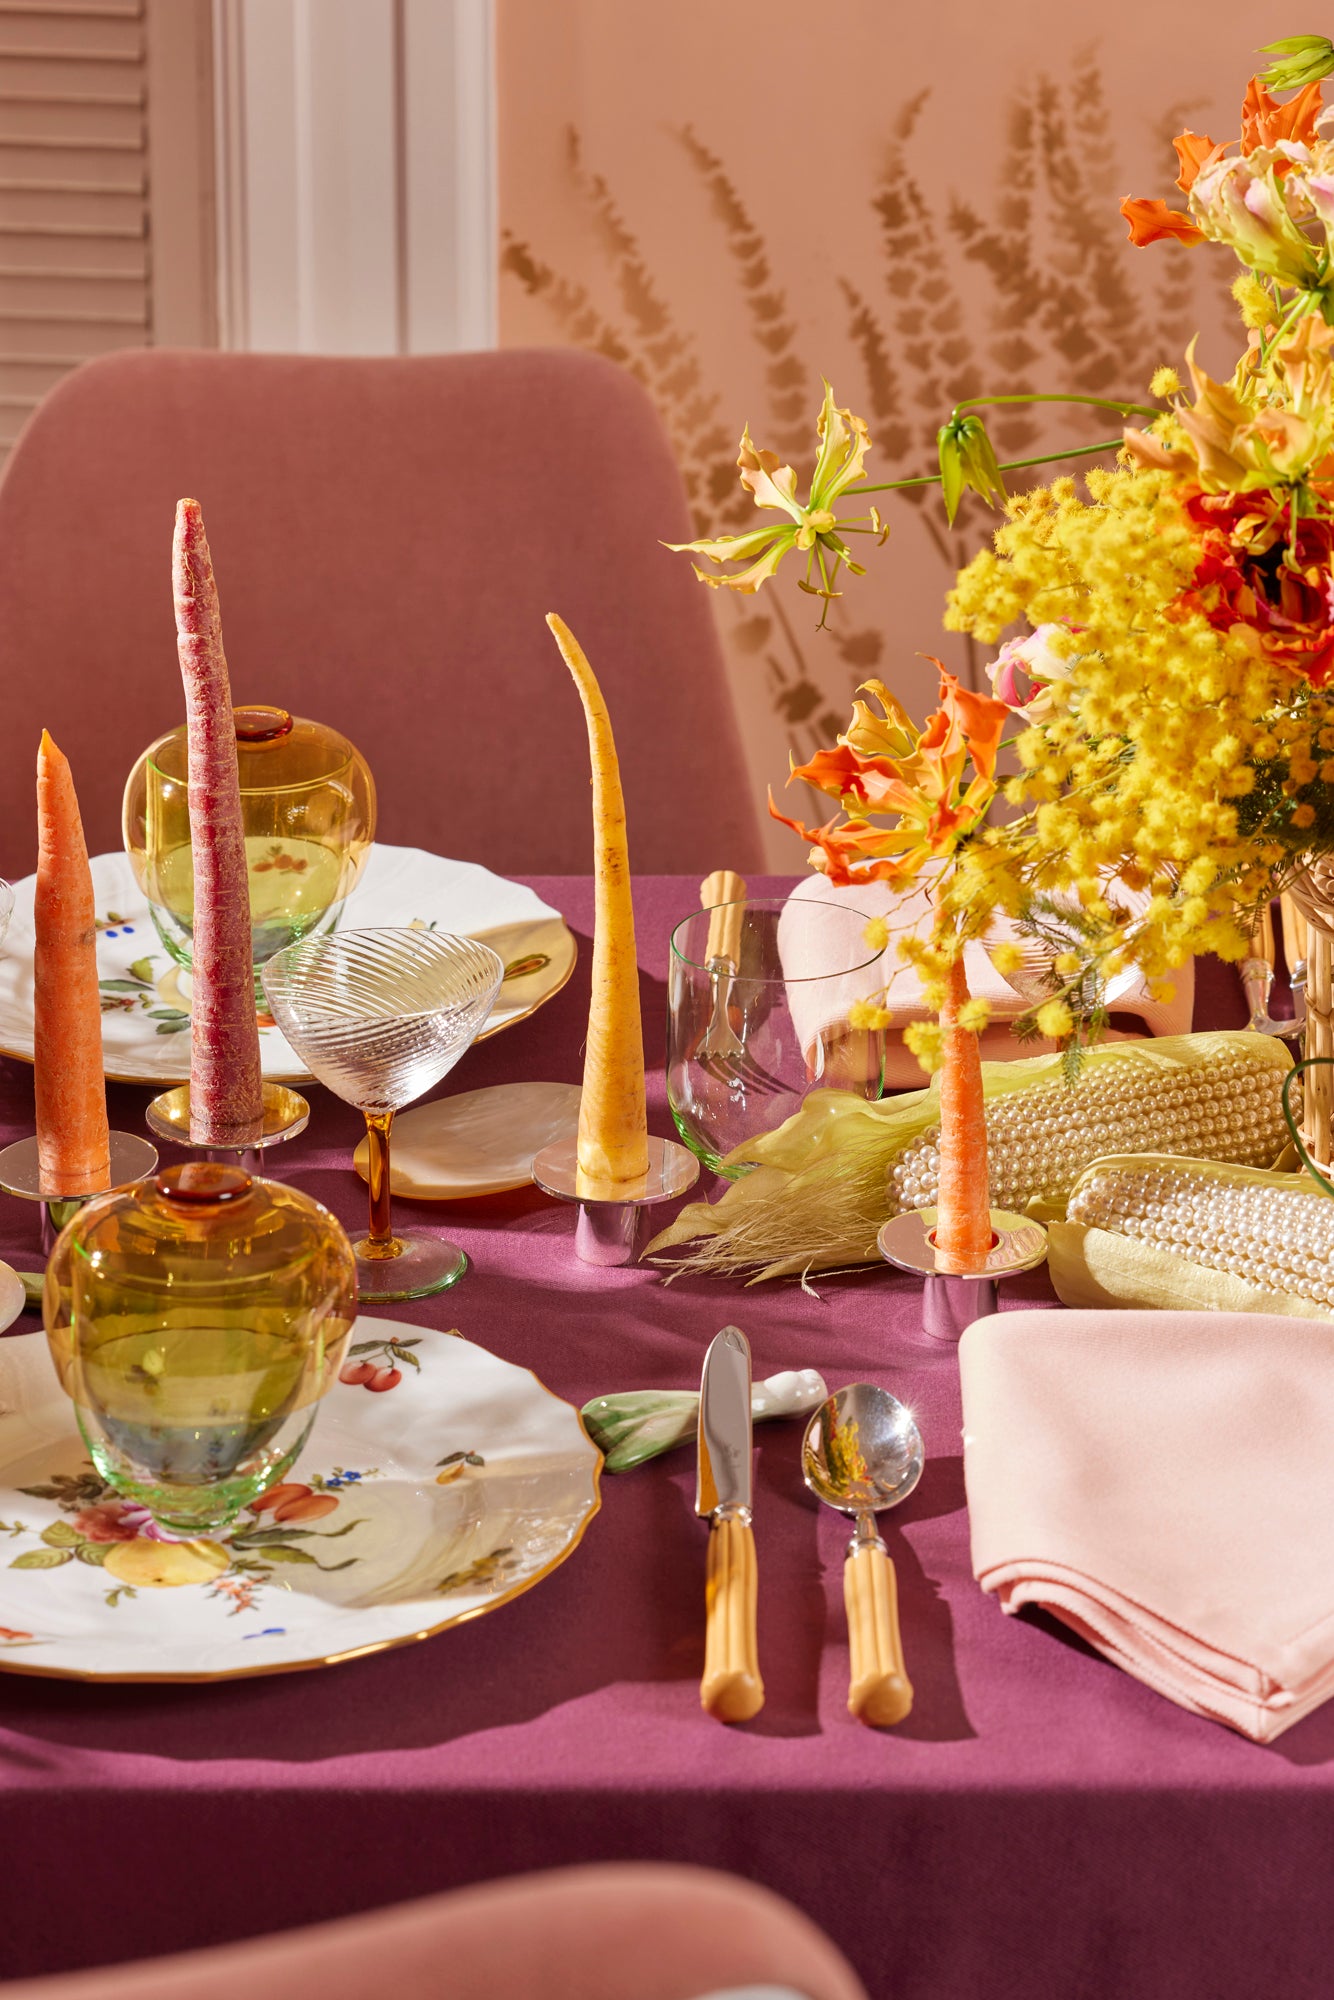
column 863, row 1452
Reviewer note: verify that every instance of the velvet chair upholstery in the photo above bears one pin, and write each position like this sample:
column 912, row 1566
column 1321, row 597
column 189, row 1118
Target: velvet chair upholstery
column 387, row 536
column 627, row 1931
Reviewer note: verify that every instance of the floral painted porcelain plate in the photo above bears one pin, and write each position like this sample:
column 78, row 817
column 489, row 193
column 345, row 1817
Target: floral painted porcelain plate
column 145, row 994
column 439, row 1482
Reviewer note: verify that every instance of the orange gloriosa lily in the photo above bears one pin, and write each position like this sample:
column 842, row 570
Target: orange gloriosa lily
column 1266, row 122
column 923, row 785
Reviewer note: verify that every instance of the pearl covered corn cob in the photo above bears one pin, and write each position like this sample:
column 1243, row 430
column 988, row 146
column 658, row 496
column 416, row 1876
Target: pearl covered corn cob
column 1040, row 1139
column 1156, row 1231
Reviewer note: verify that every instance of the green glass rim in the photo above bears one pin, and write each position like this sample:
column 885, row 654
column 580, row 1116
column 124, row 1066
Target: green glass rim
column 776, row 904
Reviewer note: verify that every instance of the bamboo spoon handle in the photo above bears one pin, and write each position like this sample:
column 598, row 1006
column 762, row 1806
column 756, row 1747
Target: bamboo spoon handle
column 723, row 887
column 880, row 1692
column 731, row 1688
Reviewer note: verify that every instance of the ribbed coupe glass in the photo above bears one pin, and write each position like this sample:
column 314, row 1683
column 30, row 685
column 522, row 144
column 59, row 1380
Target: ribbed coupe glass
column 379, row 1016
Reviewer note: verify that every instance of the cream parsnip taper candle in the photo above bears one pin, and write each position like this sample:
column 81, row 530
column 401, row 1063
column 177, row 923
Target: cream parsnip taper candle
column 613, row 1113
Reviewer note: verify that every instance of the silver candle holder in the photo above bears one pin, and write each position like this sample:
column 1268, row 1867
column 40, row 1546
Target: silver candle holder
column 611, row 1213
column 132, row 1159
column 952, row 1298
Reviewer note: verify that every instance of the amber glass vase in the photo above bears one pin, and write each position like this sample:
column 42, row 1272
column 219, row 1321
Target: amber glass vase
column 195, row 1321
column 308, row 808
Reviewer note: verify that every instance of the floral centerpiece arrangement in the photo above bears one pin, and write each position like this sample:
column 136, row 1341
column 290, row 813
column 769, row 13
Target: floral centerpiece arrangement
column 1156, row 757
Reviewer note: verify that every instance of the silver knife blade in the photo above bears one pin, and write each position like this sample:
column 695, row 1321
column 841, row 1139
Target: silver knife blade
column 723, row 1474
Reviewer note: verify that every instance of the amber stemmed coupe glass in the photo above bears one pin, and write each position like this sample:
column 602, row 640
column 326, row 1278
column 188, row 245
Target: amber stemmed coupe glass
column 379, row 1016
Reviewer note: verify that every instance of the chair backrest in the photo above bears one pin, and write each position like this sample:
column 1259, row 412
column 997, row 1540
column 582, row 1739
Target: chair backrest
column 620, row 1931
column 387, row 536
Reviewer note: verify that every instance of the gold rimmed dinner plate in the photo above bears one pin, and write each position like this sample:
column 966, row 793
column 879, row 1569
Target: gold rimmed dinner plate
column 477, row 1142
column 439, row 1485
column 146, row 994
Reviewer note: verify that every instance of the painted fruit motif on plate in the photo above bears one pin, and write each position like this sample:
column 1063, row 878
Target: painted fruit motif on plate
column 408, row 1512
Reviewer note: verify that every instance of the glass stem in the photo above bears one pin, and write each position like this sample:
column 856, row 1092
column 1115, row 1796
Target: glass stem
column 380, row 1237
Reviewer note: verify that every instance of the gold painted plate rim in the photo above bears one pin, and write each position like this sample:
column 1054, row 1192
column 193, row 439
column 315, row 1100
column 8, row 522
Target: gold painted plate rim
column 591, row 1511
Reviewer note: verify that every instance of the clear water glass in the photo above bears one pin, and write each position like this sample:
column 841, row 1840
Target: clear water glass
column 379, row 1017
column 745, row 1048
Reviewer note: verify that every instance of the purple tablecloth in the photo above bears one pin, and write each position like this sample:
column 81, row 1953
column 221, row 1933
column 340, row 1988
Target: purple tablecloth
column 1040, row 1825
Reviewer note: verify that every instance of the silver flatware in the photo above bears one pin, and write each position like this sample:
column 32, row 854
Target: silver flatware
column 731, row 1688
column 721, row 1052
column 862, row 1452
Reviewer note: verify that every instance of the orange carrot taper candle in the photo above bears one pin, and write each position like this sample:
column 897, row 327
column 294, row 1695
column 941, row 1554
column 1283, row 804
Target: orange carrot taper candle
column 73, row 1142
column 613, row 1114
column 963, row 1208
column 226, row 1088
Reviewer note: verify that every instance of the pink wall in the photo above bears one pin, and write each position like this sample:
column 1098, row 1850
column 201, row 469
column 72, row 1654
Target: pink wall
column 919, row 202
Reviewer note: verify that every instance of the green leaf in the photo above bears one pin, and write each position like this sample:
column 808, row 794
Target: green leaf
column 94, row 1553
column 283, row 1555
column 453, row 1458
column 255, row 1538
column 121, row 985
column 402, row 1354
column 43, row 1559
column 61, row 1535
column 366, row 1347
column 335, row 1534
column 142, row 968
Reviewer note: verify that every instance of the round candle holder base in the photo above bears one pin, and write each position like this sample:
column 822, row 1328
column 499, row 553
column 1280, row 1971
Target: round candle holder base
column 952, row 1298
column 132, row 1159
column 611, row 1212
column 286, row 1113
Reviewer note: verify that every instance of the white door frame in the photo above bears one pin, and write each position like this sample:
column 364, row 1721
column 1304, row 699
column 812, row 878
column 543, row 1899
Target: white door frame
column 356, row 175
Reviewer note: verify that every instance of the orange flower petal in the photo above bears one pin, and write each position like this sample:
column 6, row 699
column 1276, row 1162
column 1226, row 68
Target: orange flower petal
column 1152, row 221
column 1264, row 121
column 1192, row 150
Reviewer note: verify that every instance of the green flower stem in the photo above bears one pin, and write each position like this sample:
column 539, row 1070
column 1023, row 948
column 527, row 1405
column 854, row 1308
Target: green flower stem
column 1304, row 303
column 1095, row 402
column 1011, row 465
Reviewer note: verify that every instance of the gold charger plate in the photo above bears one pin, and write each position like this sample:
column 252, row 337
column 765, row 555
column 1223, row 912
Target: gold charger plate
column 440, row 1495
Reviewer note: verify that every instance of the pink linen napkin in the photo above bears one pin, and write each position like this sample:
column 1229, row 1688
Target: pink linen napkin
column 1163, row 1482
column 814, row 1011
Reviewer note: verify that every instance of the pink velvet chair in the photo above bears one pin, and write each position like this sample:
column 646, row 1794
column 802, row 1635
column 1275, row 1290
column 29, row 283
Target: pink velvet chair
column 630, row 1931
column 388, row 535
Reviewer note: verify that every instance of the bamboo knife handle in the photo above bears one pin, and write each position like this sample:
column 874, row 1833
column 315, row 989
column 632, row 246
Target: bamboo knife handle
column 731, row 1688
column 723, row 886
column 879, row 1692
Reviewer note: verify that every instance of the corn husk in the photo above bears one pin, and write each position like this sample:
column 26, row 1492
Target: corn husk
column 1103, row 1266
column 821, row 1184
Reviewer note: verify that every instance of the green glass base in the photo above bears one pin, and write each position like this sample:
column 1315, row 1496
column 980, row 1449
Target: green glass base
column 204, row 1505
column 424, row 1264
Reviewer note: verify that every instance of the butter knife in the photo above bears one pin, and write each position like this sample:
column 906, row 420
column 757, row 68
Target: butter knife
column 731, row 1688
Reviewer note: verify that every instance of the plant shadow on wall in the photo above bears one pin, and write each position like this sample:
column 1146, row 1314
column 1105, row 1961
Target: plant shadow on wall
column 1035, row 287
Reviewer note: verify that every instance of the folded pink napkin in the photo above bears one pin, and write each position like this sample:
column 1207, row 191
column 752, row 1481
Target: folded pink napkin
column 815, row 1010
column 1163, row 1482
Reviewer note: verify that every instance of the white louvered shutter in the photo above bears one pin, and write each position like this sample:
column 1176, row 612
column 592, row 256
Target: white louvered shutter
column 79, row 158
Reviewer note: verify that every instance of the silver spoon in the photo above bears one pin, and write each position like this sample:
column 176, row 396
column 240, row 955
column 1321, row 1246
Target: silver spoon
column 862, row 1451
